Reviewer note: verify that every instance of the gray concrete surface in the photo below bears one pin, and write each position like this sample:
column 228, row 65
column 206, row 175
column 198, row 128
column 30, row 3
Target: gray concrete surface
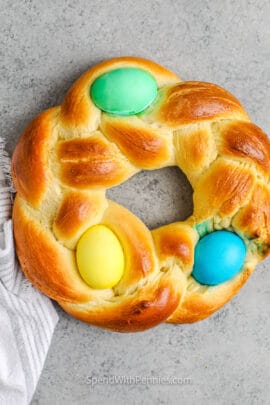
column 45, row 45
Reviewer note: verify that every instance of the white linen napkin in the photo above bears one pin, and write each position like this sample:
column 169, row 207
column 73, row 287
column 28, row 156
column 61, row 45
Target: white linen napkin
column 27, row 317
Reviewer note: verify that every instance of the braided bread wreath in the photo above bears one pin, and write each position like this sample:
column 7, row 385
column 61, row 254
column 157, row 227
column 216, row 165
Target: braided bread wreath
column 70, row 154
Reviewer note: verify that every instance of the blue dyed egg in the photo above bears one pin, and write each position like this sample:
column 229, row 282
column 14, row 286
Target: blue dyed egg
column 124, row 91
column 219, row 256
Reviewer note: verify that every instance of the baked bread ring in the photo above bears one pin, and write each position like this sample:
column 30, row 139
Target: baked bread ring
column 122, row 116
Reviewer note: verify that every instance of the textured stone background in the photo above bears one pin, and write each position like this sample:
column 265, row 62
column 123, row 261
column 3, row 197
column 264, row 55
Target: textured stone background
column 45, row 45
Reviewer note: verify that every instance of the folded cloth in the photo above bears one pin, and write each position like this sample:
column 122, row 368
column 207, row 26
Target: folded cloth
column 27, row 317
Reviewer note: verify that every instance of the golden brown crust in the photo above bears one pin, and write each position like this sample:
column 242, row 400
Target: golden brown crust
column 203, row 302
column 176, row 240
column 158, row 302
column 91, row 162
column 223, row 188
column 247, row 141
column 78, row 211
column 75, row 209
column 143, row 146
column 30, row 157
column 191, row 102
column 254, row 218
column 69, row 155
column 195, row 150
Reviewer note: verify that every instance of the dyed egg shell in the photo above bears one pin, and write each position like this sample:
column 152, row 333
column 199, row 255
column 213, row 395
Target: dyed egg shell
column 100, row 257
column 219, row 256
column 124, row 91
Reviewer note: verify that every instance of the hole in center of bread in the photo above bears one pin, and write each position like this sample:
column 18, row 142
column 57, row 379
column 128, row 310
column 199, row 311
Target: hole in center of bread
column 157, row 197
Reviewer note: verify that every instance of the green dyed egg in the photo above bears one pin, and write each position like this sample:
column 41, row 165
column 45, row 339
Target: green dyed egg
column 124, row 91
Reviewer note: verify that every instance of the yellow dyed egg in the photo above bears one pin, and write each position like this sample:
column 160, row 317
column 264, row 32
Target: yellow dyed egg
column 100, row 257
